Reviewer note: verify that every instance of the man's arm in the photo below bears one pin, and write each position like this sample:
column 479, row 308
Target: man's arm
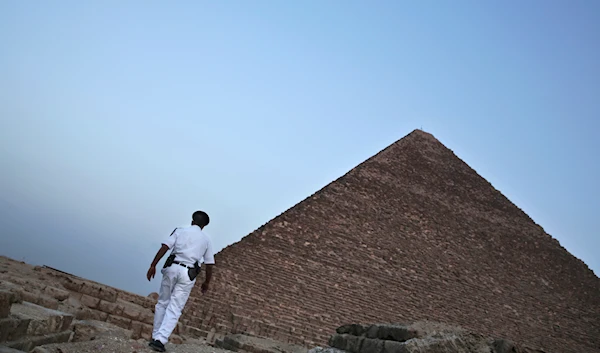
column 167, row 244
column 209, row 262
column 161, row 252
column 209, row 270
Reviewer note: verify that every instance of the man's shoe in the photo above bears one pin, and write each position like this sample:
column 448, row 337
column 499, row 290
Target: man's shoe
column 157, row 346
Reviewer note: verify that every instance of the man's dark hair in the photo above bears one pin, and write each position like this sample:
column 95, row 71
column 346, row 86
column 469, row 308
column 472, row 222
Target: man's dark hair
column 200, row 218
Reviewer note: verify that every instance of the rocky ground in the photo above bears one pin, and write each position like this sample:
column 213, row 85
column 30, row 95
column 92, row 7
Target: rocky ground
column 418, row 337
column 122, row 345
column 44, row 311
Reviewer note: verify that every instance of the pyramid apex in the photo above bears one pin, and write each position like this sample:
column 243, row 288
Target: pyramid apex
column 418, row 138
column 422, row 133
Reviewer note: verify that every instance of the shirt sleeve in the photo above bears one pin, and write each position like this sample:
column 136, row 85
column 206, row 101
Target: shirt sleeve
column 172, row 239
column 209, row 257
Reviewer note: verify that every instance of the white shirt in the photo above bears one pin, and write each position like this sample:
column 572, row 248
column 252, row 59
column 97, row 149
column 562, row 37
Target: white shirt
column 190, row 244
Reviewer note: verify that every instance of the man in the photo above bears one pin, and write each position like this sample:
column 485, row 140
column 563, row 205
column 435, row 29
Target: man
column 189, row 245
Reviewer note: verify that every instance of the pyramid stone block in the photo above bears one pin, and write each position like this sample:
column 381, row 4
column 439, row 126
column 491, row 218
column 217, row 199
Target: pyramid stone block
column 42, row 321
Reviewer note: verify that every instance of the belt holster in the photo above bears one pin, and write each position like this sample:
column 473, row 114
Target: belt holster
column 169, row 261
column 194, row 271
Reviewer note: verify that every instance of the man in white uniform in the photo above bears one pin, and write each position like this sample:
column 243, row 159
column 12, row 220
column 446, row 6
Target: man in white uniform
column 189, row 246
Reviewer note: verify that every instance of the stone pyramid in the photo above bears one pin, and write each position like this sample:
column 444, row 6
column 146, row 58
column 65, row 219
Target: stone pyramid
column 412, row 233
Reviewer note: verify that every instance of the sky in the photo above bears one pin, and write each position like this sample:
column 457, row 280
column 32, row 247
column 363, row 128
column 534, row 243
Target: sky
column 118, row 119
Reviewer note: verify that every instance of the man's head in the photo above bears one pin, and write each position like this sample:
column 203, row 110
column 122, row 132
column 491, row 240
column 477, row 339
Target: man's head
column 200, row 219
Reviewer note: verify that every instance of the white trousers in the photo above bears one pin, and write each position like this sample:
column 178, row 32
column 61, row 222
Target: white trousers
column 175, row 289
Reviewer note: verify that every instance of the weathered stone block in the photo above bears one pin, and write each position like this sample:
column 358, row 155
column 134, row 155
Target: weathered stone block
column 147, row 318
column 107, row 294
column 39, row 328
column 503, row 346
column 394, row 347
column 72, row 284
column 90, row 314
column 398, row 333
column 175, row 339
column 144, row 302
column 5, row 302
column 211, row 335
column 136, row 329
column 38, row 350
column 339, row 340
column 370, row 345
column 12, row 328
column 88, row 330
column 353, row 343
column 40, row 299
column 90, row 289
column 41, row 320
column 110, row 308
column 90, row 301
column 56, row 293
column 228, row 343
column 194, row 332
column 125, row 296
column 131, row 313
column 28, row 343
column 119, row 321
column 324, row 350
column 146, row 331
column 6, row 326
column 372, row 331
column 4, row 349
column 352, row 329
column 75, row 295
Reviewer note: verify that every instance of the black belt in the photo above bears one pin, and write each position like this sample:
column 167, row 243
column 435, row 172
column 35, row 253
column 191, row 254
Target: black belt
column 180, row 264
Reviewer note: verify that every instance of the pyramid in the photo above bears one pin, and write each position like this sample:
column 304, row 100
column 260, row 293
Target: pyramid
column 413, row 233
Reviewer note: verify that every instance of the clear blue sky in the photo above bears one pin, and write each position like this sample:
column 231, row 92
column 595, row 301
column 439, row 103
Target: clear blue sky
column 120, row 118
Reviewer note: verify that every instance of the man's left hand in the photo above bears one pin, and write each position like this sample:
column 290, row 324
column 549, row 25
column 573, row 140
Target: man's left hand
column 151, row 272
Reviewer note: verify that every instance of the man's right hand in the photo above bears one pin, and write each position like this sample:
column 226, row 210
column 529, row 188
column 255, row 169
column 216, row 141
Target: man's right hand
column 204, row 287
column 151, row 272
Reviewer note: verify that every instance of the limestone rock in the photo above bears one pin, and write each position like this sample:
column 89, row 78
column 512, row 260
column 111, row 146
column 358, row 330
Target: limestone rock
column 39, row 350
column 90, row 314
column 39, row 298
column 392, row 332
column 325, row 350
column 28, row 343
column 56, row 293
column 7, row 298
column 394, row 347
column 87, row 330
column 352, row 329
column 4, row 349
column 371, row 345
column 41, row 320
column 12, row 328
column 175, row 339
column 504, row 346
column 239, row 342
column 419, row 337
